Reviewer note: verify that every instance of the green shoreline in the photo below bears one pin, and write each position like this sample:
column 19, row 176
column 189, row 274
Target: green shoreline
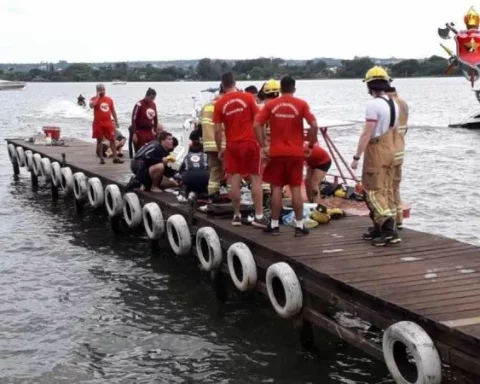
column 211, row 70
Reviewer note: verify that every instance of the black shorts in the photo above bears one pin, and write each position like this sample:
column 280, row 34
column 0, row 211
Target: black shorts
column 325, row 166
column 196, row 181
column 143, row 176
column 135, row 165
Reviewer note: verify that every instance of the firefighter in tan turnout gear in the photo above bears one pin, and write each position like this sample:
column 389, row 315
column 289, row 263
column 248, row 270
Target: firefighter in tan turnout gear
column 394, row 191
column 210, row 148
column 378, row 143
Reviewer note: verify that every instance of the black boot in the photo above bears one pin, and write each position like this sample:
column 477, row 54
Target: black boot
column 372, row 232
column 386, row 234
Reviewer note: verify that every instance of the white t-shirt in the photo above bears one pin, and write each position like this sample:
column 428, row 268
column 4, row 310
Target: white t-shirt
column 378, row 110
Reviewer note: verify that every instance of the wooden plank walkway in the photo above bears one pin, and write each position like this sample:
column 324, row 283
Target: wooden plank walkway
column 431, row 280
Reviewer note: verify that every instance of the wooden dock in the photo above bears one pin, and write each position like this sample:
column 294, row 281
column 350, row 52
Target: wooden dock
column 428, row 280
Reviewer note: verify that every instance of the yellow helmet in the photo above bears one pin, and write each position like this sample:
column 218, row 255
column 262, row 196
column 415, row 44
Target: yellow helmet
column 376, row 73
column 271, row 86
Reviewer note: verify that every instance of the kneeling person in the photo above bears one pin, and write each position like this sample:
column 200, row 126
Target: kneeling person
column 318, row 163
column 194, row 170
column 153, row 172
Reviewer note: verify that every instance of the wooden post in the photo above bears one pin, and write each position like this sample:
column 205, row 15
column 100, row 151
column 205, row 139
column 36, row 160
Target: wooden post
column 219, row 285
column 78, row 206
column 305, row 335
column 54, row 191
column 16, row 168
column 154, row 246
column 34, row 180
column 115, row 224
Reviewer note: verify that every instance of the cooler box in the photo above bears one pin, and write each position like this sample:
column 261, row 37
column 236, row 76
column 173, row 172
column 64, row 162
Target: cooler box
column 54, row 132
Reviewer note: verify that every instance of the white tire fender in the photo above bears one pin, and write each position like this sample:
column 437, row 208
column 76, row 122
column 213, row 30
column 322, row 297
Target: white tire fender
column 56, row 175
column 46, row 168
column 420, row 346
column 29, row 159
column 96, row 196
column 12, row 153
column 113, row 200
column 132, row 210
column 80, row 186
column 179, row 235
column 66, row 179
column 209, row 249
column 37, row 164
column 21, row 157
column 292, row 302
column 153, row 221
column 239, row 252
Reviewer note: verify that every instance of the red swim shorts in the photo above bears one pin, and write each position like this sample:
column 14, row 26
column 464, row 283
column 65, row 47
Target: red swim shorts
column 103, row 131
column 143, row 137
column 284, row 170
column 242, row 157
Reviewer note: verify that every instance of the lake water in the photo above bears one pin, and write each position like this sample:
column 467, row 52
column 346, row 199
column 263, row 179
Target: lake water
column 79, row 305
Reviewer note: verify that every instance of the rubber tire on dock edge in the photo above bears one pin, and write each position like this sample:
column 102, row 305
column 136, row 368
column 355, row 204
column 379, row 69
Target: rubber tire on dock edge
column 249, row 268
column 420, row 346
column 213, row 259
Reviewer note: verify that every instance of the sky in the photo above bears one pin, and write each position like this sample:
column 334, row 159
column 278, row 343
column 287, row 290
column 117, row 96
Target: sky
column 96, row 31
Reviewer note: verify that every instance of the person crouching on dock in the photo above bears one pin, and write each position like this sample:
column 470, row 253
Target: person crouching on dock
column 286, row 153
column 378, row 141
column 318, row 164
column 153, row 173
column 236, row 111
column 102, row 127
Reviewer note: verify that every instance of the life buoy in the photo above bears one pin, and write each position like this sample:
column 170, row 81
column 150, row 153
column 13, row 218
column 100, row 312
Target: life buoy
column 239, row 257
column 12, row 153
column 132, row 210
column 21, row 157
column 29, row 159
column 96, row 196
column 80, row 186
column 209, row 249
column 284, row 290
column 420, row 346
column 153, row 221
column 113, row 200
column 45, row 168
column 179, row 235
column 66, row 179
column 56, row 175
column 36, row 164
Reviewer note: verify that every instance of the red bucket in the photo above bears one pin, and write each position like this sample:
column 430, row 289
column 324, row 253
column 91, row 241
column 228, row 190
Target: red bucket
column 406, row 210
column 54, row 132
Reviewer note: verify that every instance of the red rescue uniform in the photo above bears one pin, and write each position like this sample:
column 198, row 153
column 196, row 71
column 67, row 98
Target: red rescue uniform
column 102, row 127
column 285, row 116
column 144, row 121
column 318, row 157
column 237, row 111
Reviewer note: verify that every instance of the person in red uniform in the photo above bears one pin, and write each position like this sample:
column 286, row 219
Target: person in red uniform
column 102, row 127
column 286, row 153
column 236, row 111
column 144, row 120
column 318, row 163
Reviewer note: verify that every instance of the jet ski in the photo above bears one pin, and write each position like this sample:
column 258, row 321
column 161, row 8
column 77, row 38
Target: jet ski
column 472, row 121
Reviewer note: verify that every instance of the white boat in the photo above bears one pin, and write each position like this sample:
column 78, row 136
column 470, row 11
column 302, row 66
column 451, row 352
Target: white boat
column 118, row 82
column 9, row 85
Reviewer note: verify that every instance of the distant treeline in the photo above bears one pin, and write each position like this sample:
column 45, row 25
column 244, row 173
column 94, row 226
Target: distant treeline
column 211, row 70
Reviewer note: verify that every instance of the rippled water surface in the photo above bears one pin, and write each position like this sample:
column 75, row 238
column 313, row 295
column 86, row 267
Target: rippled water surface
column 80, row 305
